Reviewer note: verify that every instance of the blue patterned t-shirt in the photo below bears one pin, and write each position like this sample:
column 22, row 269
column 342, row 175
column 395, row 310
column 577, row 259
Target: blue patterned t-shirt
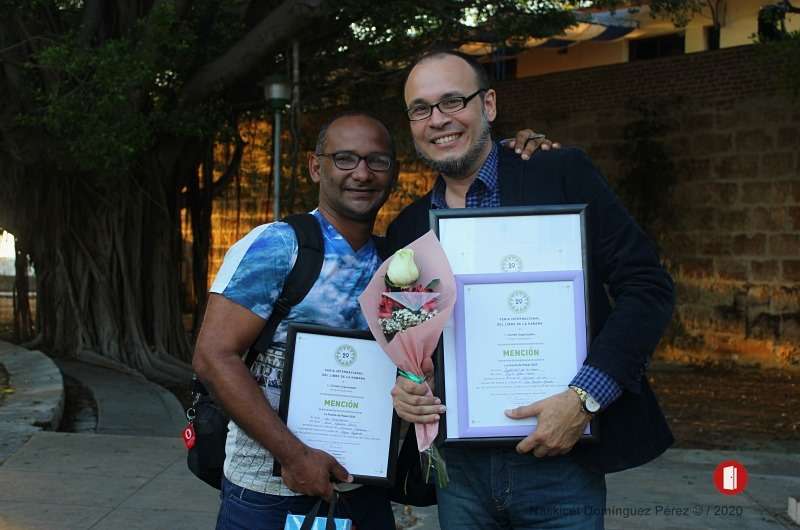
column 252, row 276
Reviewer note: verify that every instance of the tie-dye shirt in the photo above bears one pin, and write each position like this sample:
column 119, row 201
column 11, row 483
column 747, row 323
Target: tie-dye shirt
column 252, row 275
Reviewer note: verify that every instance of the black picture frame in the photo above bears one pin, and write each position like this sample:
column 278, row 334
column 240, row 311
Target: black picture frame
column 283, row 410
column 436, row 215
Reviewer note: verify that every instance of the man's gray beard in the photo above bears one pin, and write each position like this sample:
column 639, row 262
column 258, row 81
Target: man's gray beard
column 459, row 167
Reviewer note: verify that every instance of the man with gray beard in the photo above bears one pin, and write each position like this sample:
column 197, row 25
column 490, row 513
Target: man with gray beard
column 455, row 167
column 549, row 481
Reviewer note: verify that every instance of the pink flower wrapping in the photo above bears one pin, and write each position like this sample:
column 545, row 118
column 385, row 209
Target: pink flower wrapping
column 409, row 348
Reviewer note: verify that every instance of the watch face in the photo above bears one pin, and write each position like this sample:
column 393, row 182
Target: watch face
column 591, row 404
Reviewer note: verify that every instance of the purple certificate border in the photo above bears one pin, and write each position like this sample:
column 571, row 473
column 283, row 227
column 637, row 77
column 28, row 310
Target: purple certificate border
column 576, row 276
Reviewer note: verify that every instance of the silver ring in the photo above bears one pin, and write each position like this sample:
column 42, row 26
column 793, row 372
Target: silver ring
column 534, row 136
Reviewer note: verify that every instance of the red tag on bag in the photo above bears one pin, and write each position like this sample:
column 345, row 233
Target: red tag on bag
column 188, row 436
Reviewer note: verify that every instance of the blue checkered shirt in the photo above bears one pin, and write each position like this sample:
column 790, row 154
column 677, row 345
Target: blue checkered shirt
column 485, row 193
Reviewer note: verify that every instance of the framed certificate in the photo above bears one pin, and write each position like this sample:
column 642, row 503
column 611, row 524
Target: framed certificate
column 336, row 397
column 520, row 327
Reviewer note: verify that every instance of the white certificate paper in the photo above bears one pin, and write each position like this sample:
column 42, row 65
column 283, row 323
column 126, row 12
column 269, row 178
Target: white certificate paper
column 519, row 346
column 340, row 401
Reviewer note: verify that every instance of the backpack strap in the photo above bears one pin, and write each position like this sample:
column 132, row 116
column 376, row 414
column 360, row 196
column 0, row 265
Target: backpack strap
column 310, row 255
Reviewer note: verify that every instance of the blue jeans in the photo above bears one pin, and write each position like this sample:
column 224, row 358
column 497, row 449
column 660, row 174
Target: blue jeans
column 242, row 509
column 492, row 489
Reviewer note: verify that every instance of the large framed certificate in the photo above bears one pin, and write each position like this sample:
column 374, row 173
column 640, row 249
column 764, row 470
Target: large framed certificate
column 520, row 327
column 336, row 397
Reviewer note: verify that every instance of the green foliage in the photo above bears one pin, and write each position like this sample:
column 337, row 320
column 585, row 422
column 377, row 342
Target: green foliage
column 110, row 103
column 680, row 12
column 367, row 45
column 91, row 109
column 110, row 99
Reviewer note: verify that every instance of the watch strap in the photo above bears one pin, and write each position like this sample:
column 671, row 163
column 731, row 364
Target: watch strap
column 584, row 396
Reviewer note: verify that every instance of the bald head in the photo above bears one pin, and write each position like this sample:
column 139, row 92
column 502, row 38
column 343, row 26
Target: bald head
column 323, row 131
column 481, row 77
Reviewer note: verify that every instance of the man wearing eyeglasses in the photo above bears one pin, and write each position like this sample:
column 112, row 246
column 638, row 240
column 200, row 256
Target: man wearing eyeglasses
column 548, row 481
column 355, row 166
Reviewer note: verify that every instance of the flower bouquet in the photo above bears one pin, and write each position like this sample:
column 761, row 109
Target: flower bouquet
column 407, row 305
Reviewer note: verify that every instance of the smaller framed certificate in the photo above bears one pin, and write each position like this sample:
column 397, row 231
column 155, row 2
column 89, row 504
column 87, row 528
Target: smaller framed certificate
column 520, row 326
column 336, row 397
column 526, row 340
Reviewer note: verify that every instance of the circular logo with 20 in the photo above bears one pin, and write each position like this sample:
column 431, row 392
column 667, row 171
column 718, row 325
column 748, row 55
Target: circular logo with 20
column 346, row 355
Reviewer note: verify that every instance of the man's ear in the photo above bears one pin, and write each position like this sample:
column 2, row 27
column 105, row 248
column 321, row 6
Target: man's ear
column 313, row 167
column 490, row 104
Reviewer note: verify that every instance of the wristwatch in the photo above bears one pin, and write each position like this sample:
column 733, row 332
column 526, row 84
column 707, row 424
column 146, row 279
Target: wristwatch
column 590, row 405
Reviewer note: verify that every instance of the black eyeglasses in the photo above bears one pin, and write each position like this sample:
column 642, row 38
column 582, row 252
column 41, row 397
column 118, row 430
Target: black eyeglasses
column 347, row 160
column 448, row 105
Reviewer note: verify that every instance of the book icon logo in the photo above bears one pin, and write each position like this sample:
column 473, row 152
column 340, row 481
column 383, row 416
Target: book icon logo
column 730, row 477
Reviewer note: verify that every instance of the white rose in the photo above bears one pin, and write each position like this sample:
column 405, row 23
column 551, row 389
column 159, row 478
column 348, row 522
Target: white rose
column 402, row 270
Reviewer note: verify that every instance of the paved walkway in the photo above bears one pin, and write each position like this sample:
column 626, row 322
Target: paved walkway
column 36, row 401
column 80, row 481
column 132, row 473
column 128, row 404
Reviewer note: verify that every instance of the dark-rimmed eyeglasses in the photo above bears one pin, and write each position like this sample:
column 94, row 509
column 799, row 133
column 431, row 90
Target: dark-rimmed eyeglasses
column 448, row 105
column 347, row 160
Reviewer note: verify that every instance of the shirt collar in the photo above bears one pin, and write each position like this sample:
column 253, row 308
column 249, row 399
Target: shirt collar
column 487, row 177
column 337, row 240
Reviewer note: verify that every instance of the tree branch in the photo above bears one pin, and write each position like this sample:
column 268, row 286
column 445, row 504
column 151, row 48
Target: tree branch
column 281, row 23
column 182, row 8
column 231, row 170
column 92, row 18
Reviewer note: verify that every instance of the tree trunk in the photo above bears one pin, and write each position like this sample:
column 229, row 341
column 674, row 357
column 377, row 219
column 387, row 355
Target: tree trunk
column 23, row 324
column 109, row 273
column 201, row 188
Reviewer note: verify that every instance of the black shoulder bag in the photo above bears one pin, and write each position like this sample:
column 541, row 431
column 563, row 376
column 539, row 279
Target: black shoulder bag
column 208, row 422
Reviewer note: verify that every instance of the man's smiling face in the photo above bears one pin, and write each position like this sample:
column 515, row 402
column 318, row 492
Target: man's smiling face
column 454, row 144
column 357, row 193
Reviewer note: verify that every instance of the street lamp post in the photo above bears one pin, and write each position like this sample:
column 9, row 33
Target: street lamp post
column 277, row 92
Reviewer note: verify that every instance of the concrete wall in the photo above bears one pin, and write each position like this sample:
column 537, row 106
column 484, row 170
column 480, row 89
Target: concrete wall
column 538, row 61
column 734, row 246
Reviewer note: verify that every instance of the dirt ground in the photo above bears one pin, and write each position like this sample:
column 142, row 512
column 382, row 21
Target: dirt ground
column 730, row 408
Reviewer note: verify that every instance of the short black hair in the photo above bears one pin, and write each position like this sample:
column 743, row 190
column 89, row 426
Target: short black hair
column 481, row 76
column 323, row 131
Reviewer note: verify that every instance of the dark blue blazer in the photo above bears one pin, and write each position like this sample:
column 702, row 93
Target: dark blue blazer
column 627, row 320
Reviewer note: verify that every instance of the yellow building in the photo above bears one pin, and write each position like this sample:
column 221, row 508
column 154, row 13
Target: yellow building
column 628, row 35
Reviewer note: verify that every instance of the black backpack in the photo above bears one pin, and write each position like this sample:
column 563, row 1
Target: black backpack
column 210, row 422
column 207, row 419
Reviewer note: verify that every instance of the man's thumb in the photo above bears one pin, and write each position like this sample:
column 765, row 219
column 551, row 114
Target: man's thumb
column 427, row 367
column 339, row 472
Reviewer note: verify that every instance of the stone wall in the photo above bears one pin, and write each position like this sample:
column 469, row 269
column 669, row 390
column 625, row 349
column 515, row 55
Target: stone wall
column 733, row 238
